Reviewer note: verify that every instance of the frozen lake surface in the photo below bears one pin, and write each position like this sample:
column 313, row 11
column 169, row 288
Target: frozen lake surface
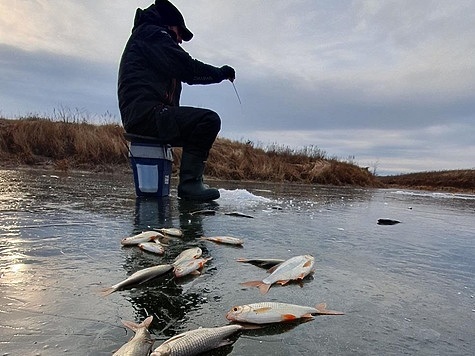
column 406, row 289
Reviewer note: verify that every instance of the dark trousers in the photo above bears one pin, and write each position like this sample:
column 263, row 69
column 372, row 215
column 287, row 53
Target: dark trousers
column 194, row 129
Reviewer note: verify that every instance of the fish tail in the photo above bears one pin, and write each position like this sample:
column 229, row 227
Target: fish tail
column 146, row 323
column 159, row 238
column 134, row 326
column 264, row 288
column 252, row 283
column 107, row 291
column 322, row 310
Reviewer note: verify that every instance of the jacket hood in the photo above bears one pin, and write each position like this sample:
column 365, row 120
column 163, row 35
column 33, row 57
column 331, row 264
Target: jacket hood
column 162, row 13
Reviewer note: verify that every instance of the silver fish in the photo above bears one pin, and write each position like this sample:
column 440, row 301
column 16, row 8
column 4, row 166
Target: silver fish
column 273, row 312
column 190, row 267
column 295, row 268
column 188, row 254
column 141, row 276
column 224, row 240
column 171, row 231
column 197, row 341
column 142, row 237
column 153, row 247
column 141, row 344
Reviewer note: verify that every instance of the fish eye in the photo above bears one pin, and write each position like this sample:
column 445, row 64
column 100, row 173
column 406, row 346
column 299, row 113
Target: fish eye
column 235, row 309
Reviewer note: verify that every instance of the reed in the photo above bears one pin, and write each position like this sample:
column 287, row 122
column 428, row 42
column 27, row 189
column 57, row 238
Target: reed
column 66, row 144
column 40, row 141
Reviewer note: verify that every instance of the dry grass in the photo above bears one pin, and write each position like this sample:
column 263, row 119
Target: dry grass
column 78, row 145
column 450, row 180
column 38, row 141
column 64, row 145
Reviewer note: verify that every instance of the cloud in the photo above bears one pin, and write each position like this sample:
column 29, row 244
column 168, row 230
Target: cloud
column 36, row 81
column 392, row 81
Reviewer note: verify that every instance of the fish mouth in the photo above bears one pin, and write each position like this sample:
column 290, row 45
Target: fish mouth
column 229, row 317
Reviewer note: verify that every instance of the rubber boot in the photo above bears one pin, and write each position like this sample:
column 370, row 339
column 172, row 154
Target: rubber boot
column 191, row 185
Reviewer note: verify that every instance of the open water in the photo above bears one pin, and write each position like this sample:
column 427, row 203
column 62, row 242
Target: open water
column 406, row 289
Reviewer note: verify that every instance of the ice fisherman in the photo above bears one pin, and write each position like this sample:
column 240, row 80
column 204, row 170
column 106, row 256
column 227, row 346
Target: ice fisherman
column 152, row 68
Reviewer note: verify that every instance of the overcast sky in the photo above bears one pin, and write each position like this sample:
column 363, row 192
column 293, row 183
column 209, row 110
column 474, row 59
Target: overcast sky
column 389, row 84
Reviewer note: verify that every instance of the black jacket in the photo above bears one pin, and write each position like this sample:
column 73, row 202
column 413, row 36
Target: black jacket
column 152, row 68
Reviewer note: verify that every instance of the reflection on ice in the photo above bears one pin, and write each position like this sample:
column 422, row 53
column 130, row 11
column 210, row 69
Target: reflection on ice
column 436, row 195
column 406, row 288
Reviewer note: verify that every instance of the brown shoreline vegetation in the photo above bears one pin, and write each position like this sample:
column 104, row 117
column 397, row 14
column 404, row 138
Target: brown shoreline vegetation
column 63, row 145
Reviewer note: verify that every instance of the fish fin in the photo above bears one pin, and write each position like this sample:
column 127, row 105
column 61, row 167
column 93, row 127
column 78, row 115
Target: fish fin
column 322, row 310
column 107, row 291
column 283, row 282
column 131, row 325
column 273, row 268
column 196, row 273
column 263, row 288
column 146, row 323
column 252, row 283
column 158, row 240
column 307, row 316
column 225, row 342
column 288, row 317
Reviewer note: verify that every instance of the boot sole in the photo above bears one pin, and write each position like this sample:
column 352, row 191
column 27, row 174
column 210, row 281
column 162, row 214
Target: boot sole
column 202, row 197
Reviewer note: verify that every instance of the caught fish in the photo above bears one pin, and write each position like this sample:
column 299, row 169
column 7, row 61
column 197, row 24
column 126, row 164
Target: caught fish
column 197, row 341
column 190, row 267
column 141, row 344
column 237, row 213
column 188, row 254
column 171, row 231
column 152, row 247
column 273, row 312
column 139, row 277
column 295, row 268
column 203, row 212
column 145, row 236
column 262, row 262
column 224, row 240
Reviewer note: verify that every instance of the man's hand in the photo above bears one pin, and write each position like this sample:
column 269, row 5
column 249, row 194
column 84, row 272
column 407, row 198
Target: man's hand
column 228, row 73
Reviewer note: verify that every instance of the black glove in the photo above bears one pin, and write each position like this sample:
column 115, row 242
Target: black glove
column 228, row 73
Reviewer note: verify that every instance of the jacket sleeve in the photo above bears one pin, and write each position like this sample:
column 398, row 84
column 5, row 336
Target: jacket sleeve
column 170, row 58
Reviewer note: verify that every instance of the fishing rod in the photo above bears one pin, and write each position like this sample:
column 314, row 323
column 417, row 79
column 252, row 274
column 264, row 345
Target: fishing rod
column 235, row 90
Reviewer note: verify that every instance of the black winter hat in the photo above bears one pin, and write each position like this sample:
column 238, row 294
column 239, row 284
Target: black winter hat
column 171, row 16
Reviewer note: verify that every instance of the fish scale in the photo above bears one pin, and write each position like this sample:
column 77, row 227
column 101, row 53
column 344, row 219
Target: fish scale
column 196, row 341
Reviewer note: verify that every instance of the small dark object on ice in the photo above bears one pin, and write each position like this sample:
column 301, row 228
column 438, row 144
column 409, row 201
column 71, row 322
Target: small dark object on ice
column 204, row 212
column 387, row 222
column 237, row 213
